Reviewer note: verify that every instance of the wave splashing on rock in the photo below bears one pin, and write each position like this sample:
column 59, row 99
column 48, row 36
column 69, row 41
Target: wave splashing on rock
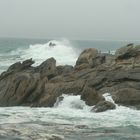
column 61, row 50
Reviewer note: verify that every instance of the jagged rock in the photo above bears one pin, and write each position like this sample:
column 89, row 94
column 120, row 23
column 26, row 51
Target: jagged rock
column 86, row 56
column 48, row 68
column 90, row 58
column 27, row 63
column 127, row 97
column 90, row 96
column 103, row 106
column 94, row 74
column 128, row 56
column 16, row 88
column 18, row 66
column 127, row 52
column 52, row 44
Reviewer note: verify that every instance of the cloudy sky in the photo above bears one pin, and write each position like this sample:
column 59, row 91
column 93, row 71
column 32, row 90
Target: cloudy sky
column 73, row 19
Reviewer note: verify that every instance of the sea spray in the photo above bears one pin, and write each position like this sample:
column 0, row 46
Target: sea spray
column 108, row 97
column 70, row 101
column 62, row 51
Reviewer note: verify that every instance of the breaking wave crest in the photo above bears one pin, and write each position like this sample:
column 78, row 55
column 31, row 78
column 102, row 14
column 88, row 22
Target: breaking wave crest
column 61, row 50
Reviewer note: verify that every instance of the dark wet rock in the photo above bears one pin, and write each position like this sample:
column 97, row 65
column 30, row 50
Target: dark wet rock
column 103, row 106
column 90, row 96
column 52, row 44
column 17, row 89
column 126, row 52
column 81, row 126
column 17, row 67
column 127, row 97
column 21, row 66
column 128, row 55
column 48, row 68
column 27, row 63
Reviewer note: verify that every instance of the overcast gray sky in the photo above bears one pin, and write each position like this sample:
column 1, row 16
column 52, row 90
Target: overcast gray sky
column 73, row 19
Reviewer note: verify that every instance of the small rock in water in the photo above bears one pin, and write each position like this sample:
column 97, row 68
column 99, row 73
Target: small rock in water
column 81, row 126
column 103, row 106
column 55, row 137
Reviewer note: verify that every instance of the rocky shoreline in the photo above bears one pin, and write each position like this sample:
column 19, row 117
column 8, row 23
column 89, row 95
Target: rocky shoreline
column 93, row 75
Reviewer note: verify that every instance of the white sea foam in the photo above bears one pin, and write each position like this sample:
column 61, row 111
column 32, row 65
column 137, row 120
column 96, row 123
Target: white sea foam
column 61, row 50
column 71, row 102
column 71, row 111
column 108, row 97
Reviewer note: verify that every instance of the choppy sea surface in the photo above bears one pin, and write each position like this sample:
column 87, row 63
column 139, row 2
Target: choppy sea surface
column 70, row 119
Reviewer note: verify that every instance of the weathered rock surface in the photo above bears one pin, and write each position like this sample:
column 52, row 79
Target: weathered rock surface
column 86, row 56
column 127, row 52
column 48, row 68
column 94, row 74
column 64, row 69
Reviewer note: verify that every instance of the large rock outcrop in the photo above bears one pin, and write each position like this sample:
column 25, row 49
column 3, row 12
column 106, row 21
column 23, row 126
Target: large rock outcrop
column 94, row 74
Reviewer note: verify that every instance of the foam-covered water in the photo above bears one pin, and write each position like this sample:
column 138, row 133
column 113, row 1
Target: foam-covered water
column 62, row 51
column 72, row 116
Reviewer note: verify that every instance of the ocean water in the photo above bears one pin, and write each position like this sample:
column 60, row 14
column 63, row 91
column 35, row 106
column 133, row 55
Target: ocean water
column 70, row 119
